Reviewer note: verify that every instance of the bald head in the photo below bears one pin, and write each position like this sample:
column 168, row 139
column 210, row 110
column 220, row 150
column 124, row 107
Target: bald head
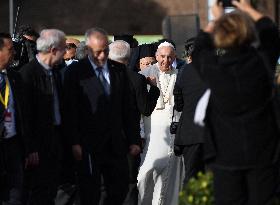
column 97, row 42
column 72, row 40
column 98, row 32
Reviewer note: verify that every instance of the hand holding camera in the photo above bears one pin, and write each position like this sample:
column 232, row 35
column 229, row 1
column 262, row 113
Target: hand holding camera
column 242, row 5
column 246, row 7
column 225, row 6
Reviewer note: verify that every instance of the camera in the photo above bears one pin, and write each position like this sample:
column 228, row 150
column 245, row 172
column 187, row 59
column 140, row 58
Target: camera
column 25, row 51
column 228, row 6
column 24, row 42
column 174, row 127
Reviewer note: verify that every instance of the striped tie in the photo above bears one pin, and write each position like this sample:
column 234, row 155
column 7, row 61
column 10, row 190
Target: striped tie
column 103, row 81
column 2, row 90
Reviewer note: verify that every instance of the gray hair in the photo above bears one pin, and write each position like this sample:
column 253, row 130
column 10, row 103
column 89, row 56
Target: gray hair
column 165, row 44
column 93, row 31
column 49, row 38
column 119, row 51
column 81, row 50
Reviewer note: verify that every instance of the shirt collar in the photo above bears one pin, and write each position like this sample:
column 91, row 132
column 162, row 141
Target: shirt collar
column 174, row 63
column 105, row 66
column 47, row 67
column 4, row 71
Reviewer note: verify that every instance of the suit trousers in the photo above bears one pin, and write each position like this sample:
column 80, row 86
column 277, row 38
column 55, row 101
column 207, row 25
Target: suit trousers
column 114, row 171
column 41, row 182
column 245, row 187
column 11, row 168
column 132, row 195
column 193, row 161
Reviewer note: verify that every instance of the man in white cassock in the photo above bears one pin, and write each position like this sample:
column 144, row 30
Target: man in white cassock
column 161, row 172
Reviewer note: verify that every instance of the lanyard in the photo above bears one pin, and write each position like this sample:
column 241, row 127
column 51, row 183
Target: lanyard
column 7, row 93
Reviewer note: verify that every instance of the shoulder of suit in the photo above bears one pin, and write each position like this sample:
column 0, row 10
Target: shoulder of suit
column 78, row 66
column 12, row 73
column 186, row 69
column 31, row 67
column 136, row 77
column 116, row 65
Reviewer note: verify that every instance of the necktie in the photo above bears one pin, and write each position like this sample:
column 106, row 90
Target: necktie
column 2, row 83
column 56, row 112
column 103, row 81
column 2, row 90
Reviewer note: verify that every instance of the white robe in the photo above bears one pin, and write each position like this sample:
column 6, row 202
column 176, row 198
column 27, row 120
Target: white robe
column 161, row 172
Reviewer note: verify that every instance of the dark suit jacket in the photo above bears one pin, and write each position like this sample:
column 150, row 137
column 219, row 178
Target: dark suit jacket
column 17, row 92
column 188, row 90
column 38, row 108
column 5, row 179
column 92, row 119
column 144, row 100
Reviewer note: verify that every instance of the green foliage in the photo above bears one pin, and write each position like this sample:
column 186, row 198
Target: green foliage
column 198, row 191
column 140, row 38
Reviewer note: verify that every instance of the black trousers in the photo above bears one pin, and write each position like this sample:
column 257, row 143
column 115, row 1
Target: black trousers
column 245, row 187
column 132, row 195
column 41, row 182
column 193, row 160
column 113, row 169
column 11, row 170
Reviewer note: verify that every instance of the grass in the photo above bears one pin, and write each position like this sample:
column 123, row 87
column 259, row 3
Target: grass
column 140, row 38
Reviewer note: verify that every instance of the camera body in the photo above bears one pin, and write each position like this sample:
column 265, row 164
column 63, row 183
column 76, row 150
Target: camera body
column 25, row 51
column 226, row 3
column 228, row 6
column 174, row 127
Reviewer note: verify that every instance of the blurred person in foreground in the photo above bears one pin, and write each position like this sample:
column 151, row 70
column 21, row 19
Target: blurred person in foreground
column 42, row 93
column 160, row 173
column 144, row 102
column 240, row 113
column 99, row 122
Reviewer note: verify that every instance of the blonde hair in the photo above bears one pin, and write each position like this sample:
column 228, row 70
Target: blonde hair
column 233, row 30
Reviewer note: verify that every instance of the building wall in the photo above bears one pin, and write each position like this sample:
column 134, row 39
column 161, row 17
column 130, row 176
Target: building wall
column 140, row 17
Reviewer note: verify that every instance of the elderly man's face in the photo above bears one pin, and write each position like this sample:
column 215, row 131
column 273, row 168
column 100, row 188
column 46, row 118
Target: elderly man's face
column 165, row 57
column 98, row 48
column 59, row 53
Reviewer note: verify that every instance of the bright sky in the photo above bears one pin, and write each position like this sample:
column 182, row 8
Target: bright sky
column 210, row 3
